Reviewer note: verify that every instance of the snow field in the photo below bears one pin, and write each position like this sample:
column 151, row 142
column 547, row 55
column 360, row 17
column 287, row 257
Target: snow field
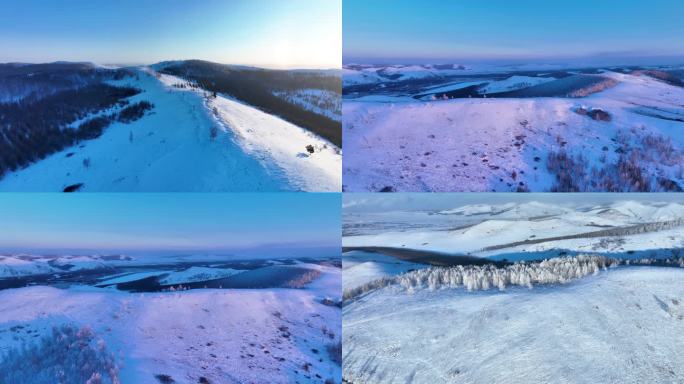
column 225, row 336
column 504, row 144
column 617, row 327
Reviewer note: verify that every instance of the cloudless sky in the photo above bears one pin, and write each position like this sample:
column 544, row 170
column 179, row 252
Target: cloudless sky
column 173, row 221
column 439, row 30
column 267, row 33
column 379, row 202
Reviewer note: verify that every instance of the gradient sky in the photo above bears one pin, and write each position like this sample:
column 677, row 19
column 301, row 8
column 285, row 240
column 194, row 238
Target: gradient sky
column 173, row 221
column 437, row 30
column 380, row 202
column 266, row 33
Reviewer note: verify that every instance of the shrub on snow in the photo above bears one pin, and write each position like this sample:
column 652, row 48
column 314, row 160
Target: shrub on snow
column 67, row 355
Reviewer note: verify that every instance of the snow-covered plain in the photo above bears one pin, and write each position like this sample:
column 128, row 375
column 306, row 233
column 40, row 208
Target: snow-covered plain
column 621, row 326
column 275, row 335
column 188, row 143
column 398, row 143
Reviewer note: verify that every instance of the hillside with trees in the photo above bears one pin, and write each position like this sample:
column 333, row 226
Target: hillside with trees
column 257, row 86
column 78, row 106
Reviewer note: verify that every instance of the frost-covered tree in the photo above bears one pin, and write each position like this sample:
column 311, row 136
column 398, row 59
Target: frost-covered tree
column 67, row 355
column 559, row 270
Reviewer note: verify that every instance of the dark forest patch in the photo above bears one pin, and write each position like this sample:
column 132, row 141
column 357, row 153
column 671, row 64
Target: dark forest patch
column 256, row 86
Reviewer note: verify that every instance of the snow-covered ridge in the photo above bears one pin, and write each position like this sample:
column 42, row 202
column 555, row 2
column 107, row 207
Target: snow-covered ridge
column 15, row 265
column 272, row 139
column 404, row 138
column 355, row 74
column 180, row 146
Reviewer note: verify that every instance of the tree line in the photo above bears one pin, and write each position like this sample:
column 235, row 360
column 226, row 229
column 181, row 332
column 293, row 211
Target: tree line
column 31, row 130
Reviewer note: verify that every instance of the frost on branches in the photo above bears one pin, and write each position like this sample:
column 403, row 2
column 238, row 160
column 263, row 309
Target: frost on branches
column 67, row 355
column 527, row 274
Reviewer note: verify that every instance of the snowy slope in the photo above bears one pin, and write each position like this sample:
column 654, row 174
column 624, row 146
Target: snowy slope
column 14, row 266
column 322, row 102
column 178, row 147
column 353, row 74
column 272, row 139
column 225, row 336
column 363, row 267
column 505, row 144
column 622, row 326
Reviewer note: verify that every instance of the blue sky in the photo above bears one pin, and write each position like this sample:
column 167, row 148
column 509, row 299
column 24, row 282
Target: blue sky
column 438, row 30
column 173, row 221
column 267, row 33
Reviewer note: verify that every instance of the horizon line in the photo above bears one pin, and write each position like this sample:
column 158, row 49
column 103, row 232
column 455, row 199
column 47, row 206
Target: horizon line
column 358, row 59
column 209, row 251
column 138, row 64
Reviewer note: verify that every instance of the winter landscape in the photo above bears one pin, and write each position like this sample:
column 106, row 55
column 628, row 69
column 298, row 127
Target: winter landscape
column 479, row 105
column 265, row 311
column 72, row 121
column 475, row 288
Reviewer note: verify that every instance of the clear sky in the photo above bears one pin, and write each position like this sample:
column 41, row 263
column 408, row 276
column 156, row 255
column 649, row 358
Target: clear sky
column 172, row 221
column 266, row 33
column 379, row 202
column 439, row 30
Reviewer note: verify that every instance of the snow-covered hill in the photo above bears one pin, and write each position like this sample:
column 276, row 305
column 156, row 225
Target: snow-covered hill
column 524, row 230
column 621, row 326
column 188, row 143
column 625, row 135
column 354, row 74
column 360, row 268
column 16, row 265
column 196, row 336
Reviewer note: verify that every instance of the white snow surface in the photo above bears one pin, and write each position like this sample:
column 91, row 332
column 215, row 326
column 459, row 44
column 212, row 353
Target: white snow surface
column 173, row 148
column 363, row 267
column 226, row 336
column 15, row 265
column 503, row 144
column 271, row 138
column 621, row 326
